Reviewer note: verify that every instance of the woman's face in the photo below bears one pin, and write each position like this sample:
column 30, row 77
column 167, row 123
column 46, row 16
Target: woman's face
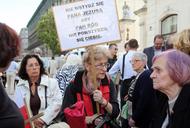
column 33, row 68
column 100, row 67
column 160, row 76
column 137, row 64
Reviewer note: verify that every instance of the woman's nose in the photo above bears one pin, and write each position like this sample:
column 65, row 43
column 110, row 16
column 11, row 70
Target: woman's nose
column 152, row 75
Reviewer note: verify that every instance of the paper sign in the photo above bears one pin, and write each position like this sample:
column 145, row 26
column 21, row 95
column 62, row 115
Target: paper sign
column 86, row 23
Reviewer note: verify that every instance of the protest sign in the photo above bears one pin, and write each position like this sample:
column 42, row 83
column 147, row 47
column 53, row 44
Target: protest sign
column 86, row 23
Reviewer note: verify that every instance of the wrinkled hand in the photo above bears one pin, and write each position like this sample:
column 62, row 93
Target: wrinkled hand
column 89, row 119
column 131, row 122
column 39, row 123
column 97, row 96
column 98, row 120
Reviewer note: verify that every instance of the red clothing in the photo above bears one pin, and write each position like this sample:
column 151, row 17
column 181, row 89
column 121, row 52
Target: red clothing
column 108, row 91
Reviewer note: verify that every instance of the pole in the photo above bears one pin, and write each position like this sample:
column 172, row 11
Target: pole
column 93, row 73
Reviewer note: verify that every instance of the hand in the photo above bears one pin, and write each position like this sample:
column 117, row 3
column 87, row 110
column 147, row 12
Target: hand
column 97, row 96
column 131, row 122
column 39, row 123
column 98, row 120
column 125, row 98
column 89, row 119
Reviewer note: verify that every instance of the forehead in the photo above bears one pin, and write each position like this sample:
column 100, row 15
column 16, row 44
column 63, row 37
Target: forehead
column 32, row 60
column 113, row 46
column 136, row 58
column 160, row 62
column 101, row 59
column 158, row 40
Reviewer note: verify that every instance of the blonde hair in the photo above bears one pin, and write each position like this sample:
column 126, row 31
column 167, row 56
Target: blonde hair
column 182, row 41
column 98, row 52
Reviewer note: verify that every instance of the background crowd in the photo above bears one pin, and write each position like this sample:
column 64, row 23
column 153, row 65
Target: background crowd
column 141, row 89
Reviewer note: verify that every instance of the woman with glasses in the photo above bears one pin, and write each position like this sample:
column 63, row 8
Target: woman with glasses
column 103, row 93
column 141, row 95
column 41, row 92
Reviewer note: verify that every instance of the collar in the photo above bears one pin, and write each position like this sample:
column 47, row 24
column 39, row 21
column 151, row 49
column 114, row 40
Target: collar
column 44, row 81
column 183, row 100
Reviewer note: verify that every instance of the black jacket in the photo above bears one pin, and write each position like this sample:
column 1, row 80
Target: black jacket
column 143, row 100
column 180, row 118
column 10, row 116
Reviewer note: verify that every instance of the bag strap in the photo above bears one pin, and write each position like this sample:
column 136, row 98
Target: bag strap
column 45, row 97
column 123, row 66
column 46, row 93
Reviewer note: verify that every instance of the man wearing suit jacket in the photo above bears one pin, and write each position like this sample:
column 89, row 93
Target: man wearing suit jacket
column 155, row 49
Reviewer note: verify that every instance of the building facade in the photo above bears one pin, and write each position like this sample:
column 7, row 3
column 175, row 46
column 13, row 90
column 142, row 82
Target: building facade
column 165, row 17
column 139, row 19
column 33, row 40
column 128, row 21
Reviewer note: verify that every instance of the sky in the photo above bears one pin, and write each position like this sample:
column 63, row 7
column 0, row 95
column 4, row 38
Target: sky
column 17, row 13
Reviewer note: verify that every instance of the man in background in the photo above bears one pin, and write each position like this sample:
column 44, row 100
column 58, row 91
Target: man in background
column 113, row 55
column 155, row 49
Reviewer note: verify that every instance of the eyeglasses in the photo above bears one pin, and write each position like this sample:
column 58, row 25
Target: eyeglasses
column 100, row 66
column 30, row 66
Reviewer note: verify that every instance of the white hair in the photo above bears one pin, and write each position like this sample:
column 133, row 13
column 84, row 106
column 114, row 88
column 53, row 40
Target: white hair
column 38, row 51
column 73, row 59
column 140, row 55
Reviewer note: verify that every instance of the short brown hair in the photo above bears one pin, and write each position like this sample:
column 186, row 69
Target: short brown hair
column 133, row 43
column 158, row 36
column 9, row 44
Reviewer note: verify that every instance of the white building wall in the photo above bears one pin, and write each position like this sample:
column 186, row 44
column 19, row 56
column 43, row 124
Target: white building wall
column 159, row 9
column 133, row 27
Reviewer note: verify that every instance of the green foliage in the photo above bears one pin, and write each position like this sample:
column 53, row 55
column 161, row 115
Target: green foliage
column 46, row 32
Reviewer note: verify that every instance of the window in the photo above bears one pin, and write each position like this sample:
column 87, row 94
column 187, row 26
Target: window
column 169, row 26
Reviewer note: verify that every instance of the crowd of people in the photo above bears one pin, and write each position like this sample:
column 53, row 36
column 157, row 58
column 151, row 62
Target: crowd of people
column 154, row 85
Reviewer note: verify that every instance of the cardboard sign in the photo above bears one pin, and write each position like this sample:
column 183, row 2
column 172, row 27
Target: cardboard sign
column 86, row 23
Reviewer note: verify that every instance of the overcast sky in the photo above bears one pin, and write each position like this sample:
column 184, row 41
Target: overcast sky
column 17, row 13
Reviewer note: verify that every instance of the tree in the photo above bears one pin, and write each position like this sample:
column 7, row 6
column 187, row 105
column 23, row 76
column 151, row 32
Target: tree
column 46, row 32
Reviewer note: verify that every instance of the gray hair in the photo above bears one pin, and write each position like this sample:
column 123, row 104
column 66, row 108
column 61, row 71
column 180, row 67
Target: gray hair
column 37, row 51
column 141, row 55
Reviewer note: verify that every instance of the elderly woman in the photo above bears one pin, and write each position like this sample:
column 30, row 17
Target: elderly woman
column 104, row 95
column 171, row 76
column 10, row 116
column 141, row 93
column 41, row 92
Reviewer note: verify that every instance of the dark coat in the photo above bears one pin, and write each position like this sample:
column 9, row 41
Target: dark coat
column 150, row 54
column 180, row 118
column 143, row 100
column 111, row 61
column 10, row 116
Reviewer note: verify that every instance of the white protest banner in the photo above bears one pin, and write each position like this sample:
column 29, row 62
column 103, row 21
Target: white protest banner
column 86, row 23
